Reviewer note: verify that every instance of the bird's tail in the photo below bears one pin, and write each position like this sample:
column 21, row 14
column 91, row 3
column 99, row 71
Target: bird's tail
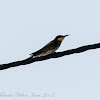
column 31, row 54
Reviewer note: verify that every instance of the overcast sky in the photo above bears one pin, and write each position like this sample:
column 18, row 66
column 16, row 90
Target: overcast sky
column 26, row 26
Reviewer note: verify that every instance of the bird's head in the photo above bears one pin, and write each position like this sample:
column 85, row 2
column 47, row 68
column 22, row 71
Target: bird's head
column 61, row 37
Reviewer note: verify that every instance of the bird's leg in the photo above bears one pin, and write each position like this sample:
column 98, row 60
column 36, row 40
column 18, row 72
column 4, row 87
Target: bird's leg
column 53, row 52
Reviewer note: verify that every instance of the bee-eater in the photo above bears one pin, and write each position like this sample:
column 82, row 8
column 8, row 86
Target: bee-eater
column 50, row 48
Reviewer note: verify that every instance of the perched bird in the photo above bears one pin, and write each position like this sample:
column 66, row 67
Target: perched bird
column 50, row 48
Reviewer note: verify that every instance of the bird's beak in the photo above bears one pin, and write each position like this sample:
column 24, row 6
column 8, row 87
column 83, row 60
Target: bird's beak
column 66, row 35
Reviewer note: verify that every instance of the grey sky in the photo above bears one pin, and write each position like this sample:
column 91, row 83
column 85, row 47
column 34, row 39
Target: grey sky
column 27, row 25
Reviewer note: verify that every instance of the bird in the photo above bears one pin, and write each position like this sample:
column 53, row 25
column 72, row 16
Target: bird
column 50, row 48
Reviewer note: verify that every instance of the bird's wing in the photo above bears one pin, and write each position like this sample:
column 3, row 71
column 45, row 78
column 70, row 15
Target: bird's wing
column 51, row 45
